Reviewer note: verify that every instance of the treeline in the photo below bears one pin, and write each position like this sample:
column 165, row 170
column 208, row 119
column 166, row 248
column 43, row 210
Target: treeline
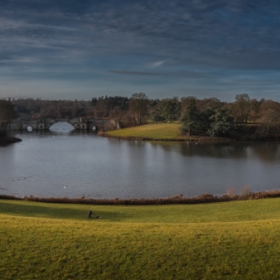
column 208, row 116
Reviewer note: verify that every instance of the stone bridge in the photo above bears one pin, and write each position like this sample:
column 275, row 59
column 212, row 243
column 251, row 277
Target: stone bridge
column 77, row 123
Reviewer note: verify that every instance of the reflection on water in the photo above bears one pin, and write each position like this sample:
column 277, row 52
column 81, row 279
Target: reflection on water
column 71, row 163
column 266, row 151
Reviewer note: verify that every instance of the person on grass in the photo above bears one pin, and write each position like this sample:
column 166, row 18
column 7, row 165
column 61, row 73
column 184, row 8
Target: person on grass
column 90, row 214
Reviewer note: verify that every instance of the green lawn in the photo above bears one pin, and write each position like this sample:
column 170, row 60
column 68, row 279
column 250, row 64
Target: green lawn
column 157, row 131
column 233, row 240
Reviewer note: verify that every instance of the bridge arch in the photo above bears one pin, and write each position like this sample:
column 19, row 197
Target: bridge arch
column 77, row 123
column 61, row 126
column 29, row 128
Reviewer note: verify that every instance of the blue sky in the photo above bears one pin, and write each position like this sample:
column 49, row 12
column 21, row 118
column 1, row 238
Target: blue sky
column 60, row 49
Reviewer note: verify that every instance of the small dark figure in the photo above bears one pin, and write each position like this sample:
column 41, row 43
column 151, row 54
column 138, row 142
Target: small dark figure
column 90, row 214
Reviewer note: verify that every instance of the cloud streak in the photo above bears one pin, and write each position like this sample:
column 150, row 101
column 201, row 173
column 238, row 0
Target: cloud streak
column 137, row 73
column 157, row 63
column 174, row 74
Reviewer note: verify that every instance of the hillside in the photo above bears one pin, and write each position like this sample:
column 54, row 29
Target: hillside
column 234, row 240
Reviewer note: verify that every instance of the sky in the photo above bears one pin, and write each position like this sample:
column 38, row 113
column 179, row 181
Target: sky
column 70, row 49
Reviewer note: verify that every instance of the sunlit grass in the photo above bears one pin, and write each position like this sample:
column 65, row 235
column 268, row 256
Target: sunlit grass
column 158, row 131
column 234, row 240
column 162, row 131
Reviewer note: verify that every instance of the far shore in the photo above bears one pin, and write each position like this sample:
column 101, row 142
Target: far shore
column 159, row 132
column 171, row 132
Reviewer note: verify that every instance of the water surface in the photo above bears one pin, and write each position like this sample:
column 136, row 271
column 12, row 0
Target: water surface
column 72, row 164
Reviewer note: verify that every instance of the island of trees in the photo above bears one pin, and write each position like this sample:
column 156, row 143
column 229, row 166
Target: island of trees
column 245, row 118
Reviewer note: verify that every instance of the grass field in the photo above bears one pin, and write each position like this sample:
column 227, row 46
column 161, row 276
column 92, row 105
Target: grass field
column 162, row 131
column 154, row 131
column 233, row 240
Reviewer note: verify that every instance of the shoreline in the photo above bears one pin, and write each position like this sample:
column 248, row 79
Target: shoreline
column 180, row 199
column 189, row 139
column 6, row 140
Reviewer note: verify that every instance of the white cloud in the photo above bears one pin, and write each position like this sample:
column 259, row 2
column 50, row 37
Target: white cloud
column 157, row 63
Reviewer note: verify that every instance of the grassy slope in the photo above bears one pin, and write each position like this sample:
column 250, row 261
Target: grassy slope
column 159, row 131
column 234, row 240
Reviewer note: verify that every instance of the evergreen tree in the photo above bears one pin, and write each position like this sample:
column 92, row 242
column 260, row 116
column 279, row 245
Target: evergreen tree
column 171, row 111
column 190, row 121
column 222, row 123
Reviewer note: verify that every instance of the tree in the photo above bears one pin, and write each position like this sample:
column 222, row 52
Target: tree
column 205, row 120
column 139, row 106
column 117, row 114
column 171, row 110
column 209, row 103
column 7, row 112
column 168, row 111
column 221, row 123
column 190, row 119
column 270, row 119
column 58, row 110
column 267, row 105
column 157, row 116
column 75, row 109
column 254, row 113
column 242, row 107
column 185, row 101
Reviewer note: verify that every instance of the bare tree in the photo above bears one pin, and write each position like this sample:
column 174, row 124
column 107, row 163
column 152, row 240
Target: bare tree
column 139, row 106
column 270, row 119
column 242, row 107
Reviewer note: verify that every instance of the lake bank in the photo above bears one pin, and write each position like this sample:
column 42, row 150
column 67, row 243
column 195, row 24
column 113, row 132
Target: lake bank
column 206, row 139
column 180, row 199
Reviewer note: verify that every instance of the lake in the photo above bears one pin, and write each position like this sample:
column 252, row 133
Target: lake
column 63, row 163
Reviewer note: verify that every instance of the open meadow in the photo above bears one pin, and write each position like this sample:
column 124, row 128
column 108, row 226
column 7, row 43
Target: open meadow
column 158, row 131
column 232, row 240
column 153, row 131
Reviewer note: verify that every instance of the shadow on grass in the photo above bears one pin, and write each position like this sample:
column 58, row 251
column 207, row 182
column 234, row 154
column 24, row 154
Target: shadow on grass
column 53, row 211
